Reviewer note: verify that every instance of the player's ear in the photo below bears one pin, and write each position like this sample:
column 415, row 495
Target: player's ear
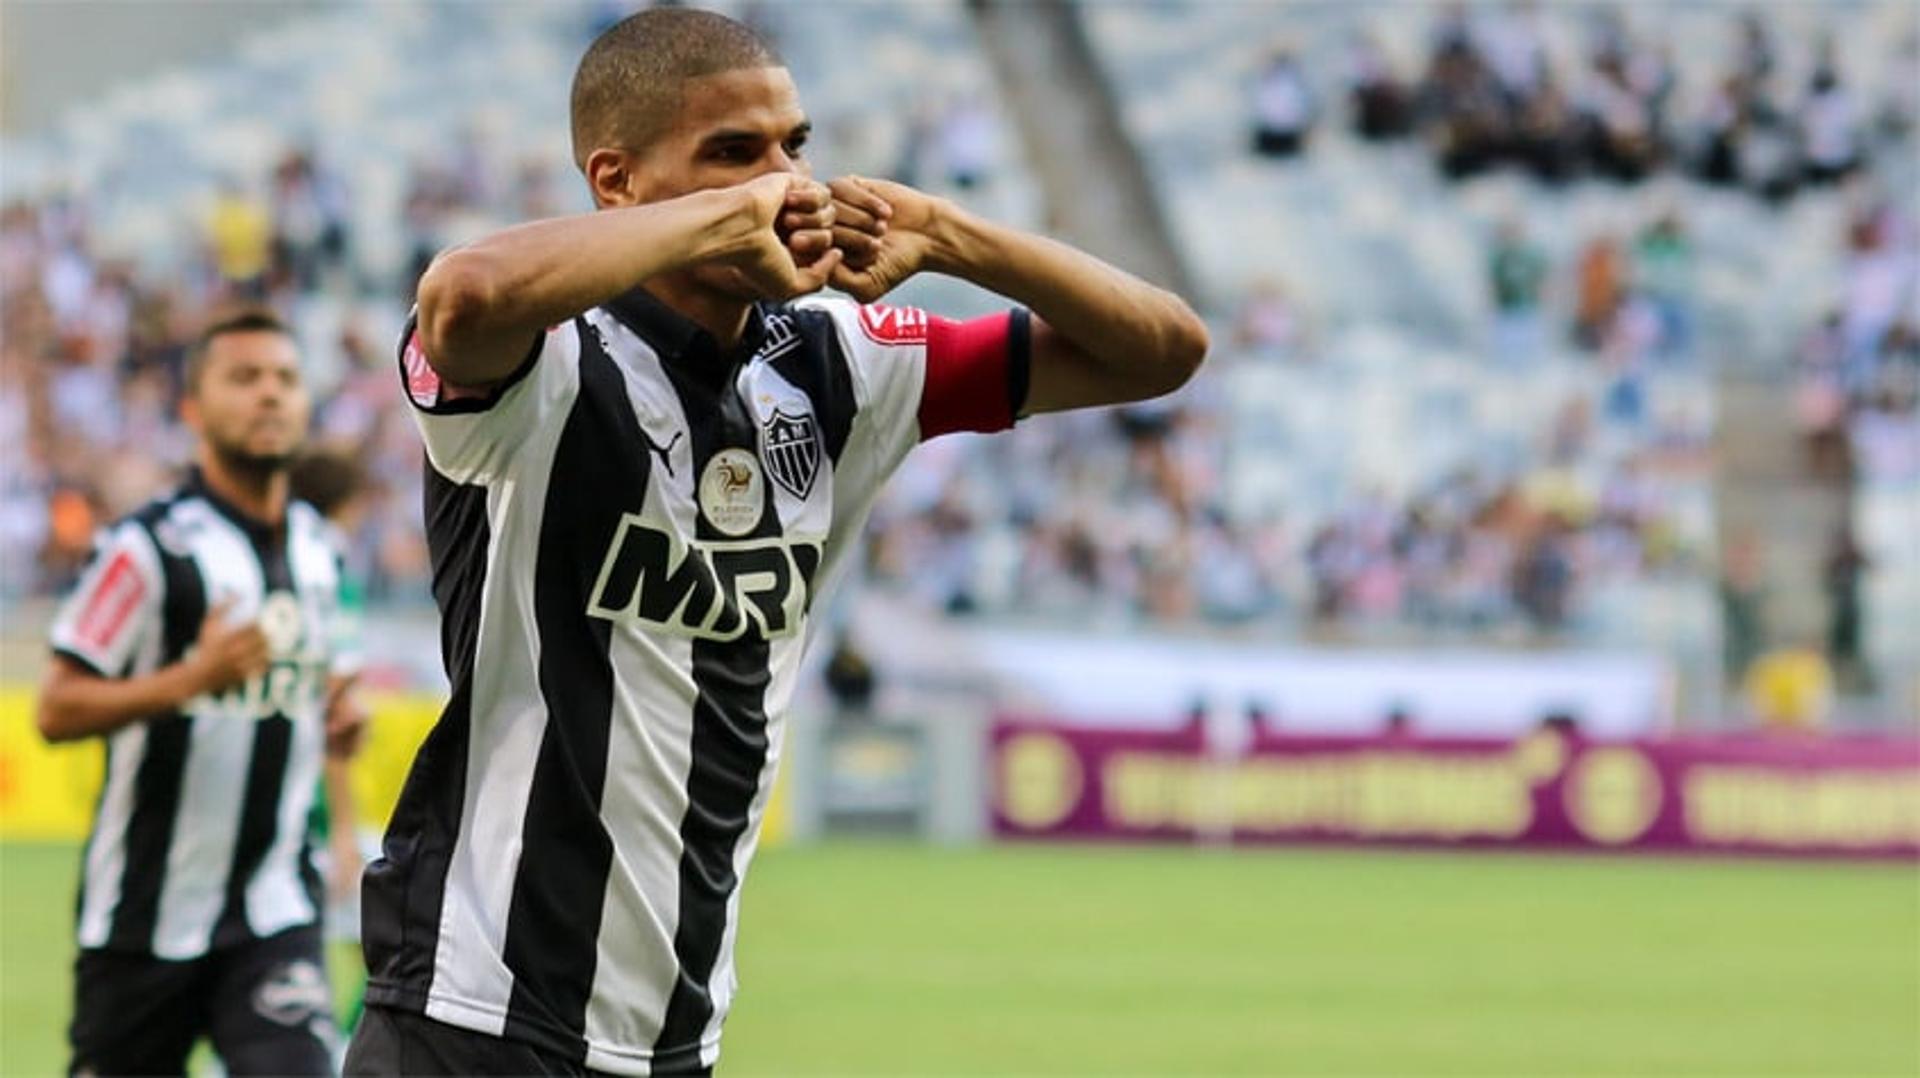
column 612, row 176
column 190, row 411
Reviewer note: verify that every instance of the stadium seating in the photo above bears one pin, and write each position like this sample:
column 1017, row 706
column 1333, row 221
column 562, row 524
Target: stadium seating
column 1385, row 259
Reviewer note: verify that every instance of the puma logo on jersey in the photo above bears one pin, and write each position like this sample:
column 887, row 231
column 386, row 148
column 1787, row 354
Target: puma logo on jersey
column 664, row 452
column 757, row 588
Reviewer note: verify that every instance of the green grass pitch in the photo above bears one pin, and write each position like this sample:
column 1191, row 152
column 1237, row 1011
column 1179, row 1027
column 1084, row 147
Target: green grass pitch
column 884, row 959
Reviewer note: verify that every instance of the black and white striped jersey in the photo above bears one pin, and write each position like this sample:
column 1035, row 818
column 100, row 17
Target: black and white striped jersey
column 200, row 839
column 627, row 539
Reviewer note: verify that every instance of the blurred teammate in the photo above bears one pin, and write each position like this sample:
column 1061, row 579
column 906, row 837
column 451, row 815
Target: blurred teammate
column 199, row 645
column 646, row 465
column 333, row 483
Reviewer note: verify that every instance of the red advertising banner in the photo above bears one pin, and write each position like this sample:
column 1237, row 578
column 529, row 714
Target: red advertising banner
column 1760, row 794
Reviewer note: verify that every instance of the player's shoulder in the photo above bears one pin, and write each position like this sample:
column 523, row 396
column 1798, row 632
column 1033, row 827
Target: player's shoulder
column 867, row 325
column 151, row 518
column 131, row 546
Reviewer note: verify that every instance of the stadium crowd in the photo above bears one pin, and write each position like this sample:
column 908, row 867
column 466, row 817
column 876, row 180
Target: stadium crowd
column 93, row 356
column 1491, row 92
column 1123, row 515
column 1052, row 521
column 1858, row 393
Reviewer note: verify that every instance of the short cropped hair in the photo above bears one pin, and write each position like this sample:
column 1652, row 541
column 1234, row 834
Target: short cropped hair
column 244, row 320
column 626, row 90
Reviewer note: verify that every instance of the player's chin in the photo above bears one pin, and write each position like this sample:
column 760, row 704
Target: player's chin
column 262, row 454
column 730, row 282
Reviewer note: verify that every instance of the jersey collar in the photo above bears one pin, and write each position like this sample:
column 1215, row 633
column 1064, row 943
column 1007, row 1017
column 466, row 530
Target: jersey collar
column 675, row 336
column 261, row 533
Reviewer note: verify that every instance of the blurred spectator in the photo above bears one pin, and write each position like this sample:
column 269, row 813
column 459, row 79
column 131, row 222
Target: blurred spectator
column 1722, row 123
column 1382, row 104
column 1846, row 563
column 535, row 198
column 1283, row 107
column 1600, row 288
column 1883, row 265
column 1544, row 577
column 1898, row 112
column 1742, row 604
column 240, row 234
column 1857, row 395
column 1791, row 688
column 1663, row 274
column 309, row 221
column 1517, row 274
column 1621, row 119
column 1767, row 151
column 916, row 142
column 968, row 143
column 1829, row 125
column 1820, row 401
column 1269, row 325
column 849, row 677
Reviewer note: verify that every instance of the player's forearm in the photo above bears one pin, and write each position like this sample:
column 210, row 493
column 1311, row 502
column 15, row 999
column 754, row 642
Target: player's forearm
column 510, row 286
column 75, row 705
column 1145, row 340
column 337, row 775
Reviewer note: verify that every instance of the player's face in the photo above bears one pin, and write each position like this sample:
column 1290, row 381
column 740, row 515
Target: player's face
column 251, row 406
column 733, row 126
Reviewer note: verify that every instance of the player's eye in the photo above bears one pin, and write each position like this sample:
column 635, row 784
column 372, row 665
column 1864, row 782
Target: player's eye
column 795, row 146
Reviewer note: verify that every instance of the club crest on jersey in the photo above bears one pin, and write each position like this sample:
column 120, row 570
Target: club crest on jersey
column 280, row 623
column 730, row 492
column 782, row 337
column 893, row 325
column 792, row 450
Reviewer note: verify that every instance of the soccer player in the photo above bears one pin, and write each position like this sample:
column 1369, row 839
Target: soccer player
column 198, row 645
column 646, row 466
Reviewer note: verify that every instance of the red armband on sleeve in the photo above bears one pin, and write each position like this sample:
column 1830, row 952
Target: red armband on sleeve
column 977, row 373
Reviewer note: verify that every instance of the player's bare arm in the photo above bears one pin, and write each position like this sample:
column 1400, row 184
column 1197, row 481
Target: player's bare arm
column 1100, row 335
column 76, row 702
column 347, row 716
column 482, row 303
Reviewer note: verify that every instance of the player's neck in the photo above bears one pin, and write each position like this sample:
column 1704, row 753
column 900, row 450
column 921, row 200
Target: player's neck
column 724, row 316
column 260, row 494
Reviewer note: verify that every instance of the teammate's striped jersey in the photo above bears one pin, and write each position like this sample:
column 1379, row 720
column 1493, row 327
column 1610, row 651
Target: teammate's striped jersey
column 627, row 538
column 200, row 837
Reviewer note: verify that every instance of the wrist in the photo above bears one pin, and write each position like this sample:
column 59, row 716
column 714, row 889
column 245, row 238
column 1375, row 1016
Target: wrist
column 189, row 680
column 952, row 235
column 728, row 223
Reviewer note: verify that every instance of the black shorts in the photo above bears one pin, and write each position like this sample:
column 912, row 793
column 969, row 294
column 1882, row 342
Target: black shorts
column 265, row 1005
column 389, row 1041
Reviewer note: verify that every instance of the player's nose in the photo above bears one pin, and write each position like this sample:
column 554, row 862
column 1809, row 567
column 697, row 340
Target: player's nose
column 782, row 161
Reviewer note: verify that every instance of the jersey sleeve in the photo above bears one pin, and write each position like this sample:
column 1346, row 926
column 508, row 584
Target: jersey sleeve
column 117, row 604
column 470, row 434
column 917, row 376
